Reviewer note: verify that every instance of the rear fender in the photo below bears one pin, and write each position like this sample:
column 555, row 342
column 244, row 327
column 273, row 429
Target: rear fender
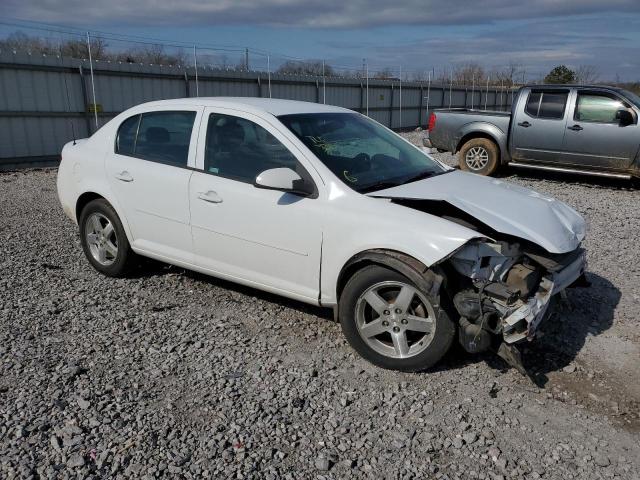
column 485, row 130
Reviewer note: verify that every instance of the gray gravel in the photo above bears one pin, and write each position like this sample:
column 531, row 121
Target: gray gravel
column 172, row 374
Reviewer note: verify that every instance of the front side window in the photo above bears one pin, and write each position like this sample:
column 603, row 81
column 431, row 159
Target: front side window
column 162, row 137
column 550, row 104
column 593, row 107
column 360, row 152
column 240, row 149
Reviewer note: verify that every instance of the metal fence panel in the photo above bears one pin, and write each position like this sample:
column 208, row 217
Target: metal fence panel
column 43, row 100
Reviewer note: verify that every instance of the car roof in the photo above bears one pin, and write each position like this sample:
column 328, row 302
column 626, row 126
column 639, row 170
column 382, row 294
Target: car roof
column 274, row 106
column 568, row 85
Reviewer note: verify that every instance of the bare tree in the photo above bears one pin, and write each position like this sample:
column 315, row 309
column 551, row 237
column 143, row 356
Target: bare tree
column 586, row 74
column 305, row 67
column 384, row 74
column 509, row 75
column 469, row 74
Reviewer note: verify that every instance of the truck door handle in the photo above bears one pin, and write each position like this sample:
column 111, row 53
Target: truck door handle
column 124, row 176
column 210, row 196
column 576, row 128
column 524, row 124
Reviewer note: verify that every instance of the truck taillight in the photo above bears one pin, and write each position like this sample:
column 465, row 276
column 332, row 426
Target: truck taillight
column 432, row 121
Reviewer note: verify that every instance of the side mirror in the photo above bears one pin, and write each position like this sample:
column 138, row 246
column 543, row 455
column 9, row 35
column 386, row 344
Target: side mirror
column 624, row 117
column 285, row 180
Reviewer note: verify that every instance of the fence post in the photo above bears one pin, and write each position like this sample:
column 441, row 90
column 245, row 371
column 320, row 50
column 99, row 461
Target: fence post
column 420, row 104
column 187, row 90
column 85, row 100
column 195, row 67
column 93, row 85
column 391, row 107
column 400, row 99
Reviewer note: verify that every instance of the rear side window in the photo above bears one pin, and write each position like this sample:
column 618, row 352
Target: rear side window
column 592, row 107
column 162, row 137
column 551, row 105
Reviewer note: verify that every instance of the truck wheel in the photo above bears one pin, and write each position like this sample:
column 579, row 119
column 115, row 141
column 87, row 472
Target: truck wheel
column 479, row 155
column 391, row 322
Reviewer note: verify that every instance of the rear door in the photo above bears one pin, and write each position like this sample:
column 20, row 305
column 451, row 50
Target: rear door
column 539, row 125
column 149, row 172
column 595, row 137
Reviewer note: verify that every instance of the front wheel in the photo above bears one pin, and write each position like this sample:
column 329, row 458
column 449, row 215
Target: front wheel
column 391, row 323
column 479, row 155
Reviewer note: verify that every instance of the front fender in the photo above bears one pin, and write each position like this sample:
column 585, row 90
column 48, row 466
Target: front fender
column 383, row 225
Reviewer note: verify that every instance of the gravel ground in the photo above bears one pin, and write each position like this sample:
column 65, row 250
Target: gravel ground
column 173, row 374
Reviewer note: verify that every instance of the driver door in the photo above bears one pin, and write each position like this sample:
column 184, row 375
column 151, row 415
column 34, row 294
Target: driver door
column 264, row 238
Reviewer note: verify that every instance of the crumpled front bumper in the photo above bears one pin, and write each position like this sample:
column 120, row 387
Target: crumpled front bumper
column 523, row 322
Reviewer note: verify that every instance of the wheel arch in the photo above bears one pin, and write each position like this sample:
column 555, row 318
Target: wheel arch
column 425, row 278
column 488, row 132
column 90, row 195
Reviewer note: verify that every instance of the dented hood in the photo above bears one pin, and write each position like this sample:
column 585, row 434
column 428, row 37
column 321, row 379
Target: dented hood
column 503, row 206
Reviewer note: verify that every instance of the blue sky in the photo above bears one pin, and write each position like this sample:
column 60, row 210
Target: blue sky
column 414, row 34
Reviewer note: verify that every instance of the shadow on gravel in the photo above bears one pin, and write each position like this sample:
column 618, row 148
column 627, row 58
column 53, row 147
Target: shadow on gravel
column 570, row 178
column 588, row 311
column 151, row 267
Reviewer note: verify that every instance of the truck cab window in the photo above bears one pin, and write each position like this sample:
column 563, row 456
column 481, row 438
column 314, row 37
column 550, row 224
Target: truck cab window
column 549, row 105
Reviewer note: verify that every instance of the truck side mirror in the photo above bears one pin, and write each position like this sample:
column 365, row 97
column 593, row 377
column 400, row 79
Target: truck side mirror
column 624, row 117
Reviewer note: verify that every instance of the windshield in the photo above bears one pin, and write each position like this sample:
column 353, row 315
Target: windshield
column 362, row 153
column 635, row 99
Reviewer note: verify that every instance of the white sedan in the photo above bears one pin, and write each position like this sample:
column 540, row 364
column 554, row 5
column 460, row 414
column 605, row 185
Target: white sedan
column 326, row 206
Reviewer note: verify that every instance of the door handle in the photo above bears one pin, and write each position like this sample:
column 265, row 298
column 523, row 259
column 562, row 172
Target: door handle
column 210, row 196
column 524, row 124
column 124, row 176
column 575, row 128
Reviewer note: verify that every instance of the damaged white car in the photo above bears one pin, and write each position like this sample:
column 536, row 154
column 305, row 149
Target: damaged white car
column 326, row 206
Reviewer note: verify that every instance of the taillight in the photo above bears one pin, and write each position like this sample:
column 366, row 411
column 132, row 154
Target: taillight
column 432, row 121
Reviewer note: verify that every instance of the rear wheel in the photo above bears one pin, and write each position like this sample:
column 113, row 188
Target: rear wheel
column 391, row 322
column 479, row 155
column 103, row 239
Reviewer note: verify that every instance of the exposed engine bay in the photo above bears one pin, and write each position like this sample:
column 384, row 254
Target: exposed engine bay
column 501, row 286
column 505, row 290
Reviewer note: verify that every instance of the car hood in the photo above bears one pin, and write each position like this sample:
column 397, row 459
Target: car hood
column 503, row 206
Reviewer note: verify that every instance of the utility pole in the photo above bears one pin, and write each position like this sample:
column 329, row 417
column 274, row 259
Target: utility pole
column 246, row 59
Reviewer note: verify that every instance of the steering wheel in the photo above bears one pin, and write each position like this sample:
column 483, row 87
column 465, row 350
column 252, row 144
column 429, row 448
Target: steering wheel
column 361, row 163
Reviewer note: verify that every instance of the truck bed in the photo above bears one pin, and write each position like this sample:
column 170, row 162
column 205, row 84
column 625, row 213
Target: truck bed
column 451, row 125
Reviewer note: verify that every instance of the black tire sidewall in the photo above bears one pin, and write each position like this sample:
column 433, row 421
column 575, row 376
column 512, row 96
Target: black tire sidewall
column 124, row 259
column 489, row 146
column 359, row 282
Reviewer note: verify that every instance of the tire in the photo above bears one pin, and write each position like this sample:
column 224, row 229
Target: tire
column 421, row 349
column 479, row 155
column 98, row 239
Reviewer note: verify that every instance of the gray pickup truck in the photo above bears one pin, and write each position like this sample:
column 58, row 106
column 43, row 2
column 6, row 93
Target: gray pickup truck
column 575, row 128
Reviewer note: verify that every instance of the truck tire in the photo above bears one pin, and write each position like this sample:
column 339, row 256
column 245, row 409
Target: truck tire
column 479, row 155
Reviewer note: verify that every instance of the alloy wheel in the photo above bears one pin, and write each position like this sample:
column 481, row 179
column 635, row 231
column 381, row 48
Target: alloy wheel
column 101, row 239
column 395, row 319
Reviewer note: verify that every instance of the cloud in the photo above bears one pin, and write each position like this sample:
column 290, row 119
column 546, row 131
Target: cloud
column 304, row 13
